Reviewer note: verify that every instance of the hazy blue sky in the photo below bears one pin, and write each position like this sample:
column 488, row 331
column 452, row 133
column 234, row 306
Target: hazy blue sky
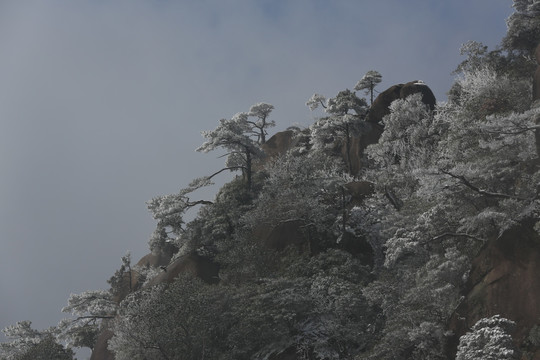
column 102, row 104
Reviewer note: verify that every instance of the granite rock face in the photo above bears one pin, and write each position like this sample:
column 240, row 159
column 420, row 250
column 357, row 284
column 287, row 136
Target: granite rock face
column 505, row 280
column 279, row 143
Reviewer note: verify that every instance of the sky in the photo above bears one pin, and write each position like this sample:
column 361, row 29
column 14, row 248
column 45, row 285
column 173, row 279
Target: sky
column 102, row 104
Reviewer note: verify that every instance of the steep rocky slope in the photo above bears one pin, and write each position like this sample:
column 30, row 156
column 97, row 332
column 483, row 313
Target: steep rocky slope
column 283, row 235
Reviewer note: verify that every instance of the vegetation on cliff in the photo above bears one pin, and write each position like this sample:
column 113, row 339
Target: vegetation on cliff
column 308, row 270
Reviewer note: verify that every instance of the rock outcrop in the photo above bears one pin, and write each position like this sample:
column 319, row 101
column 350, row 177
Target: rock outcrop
column 199, row 266
column 279, row 143
column 374, row 128
column 504, row 280
column 381, row 105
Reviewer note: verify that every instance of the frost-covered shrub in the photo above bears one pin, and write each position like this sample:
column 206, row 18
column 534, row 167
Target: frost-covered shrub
column 489, row 340
column 484, row 92
column 26, row 343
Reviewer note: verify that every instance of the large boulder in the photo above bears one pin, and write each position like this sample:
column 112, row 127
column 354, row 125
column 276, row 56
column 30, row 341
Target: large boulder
column 504, row 280
column 276, row 146
column 132, row 280
column 279, row 143
column 191, row 263
column 155, row 260
column 373, row 128
column 381, row 105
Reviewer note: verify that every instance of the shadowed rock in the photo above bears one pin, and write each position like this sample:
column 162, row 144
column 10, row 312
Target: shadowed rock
column 370, row 134
column 359, row 190
column 381, row 105
column 280, row 236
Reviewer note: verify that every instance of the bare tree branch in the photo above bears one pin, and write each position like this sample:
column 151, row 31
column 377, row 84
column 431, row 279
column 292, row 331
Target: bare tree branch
column 464, row 235
column 198, row 202
column 468, row 184
column 394, row 200
column 227, row 168
column 519, row 130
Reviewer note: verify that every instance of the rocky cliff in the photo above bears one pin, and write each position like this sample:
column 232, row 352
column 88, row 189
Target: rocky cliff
column 504, row 280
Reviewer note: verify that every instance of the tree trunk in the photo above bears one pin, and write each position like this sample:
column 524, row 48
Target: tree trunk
column 536, row 97
column 537, row 136
column 248, row 169
column 263, row 136
column 348, row 148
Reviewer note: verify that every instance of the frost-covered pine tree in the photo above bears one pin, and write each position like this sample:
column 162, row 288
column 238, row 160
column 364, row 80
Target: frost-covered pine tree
column 183, row 319
column 368, row 83
column 26, row 343
column 261, row 111
column 315, row 101
column 234, row 136
column 523, row 26
column 346, row 111
column 88, row 310
column 169, row 212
